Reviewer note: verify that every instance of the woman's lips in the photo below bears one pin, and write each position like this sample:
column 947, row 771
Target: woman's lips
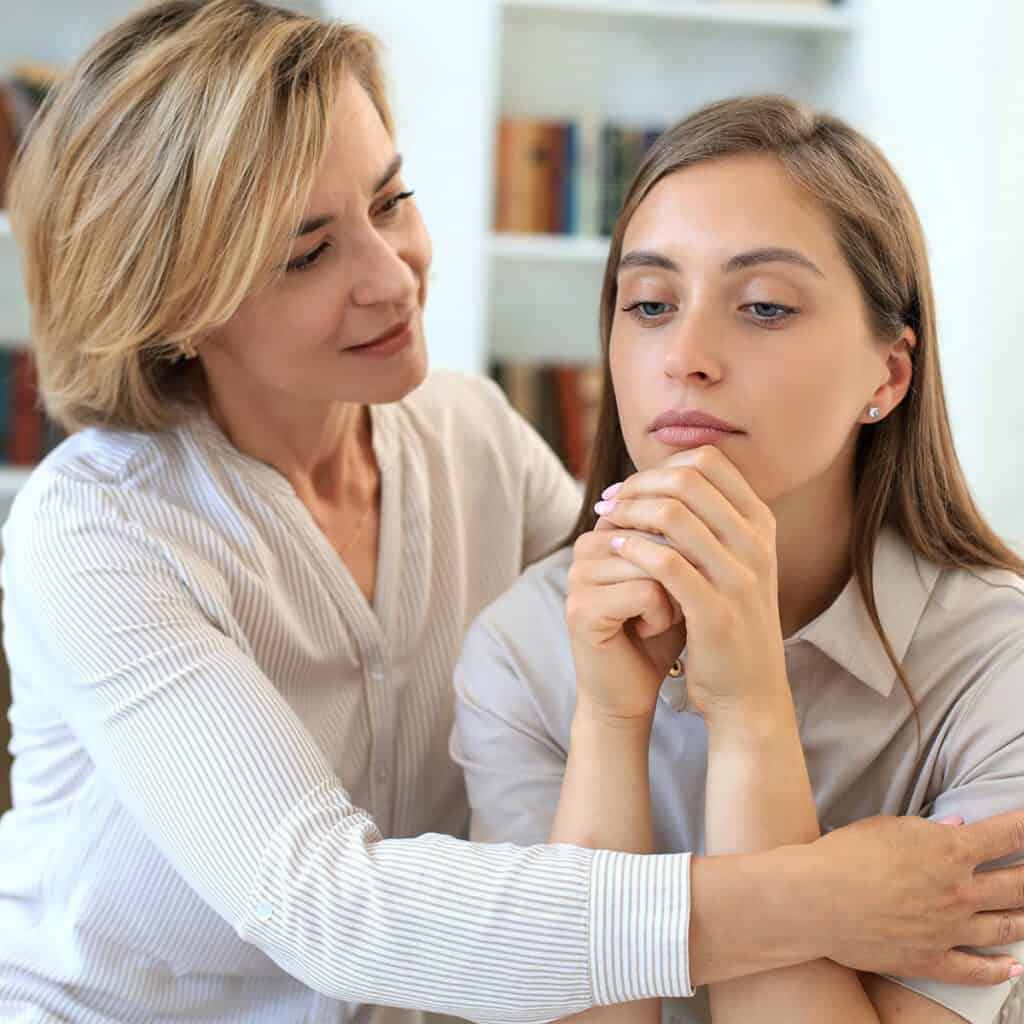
column 388, row 344
column 691, row 437
column 690, row 428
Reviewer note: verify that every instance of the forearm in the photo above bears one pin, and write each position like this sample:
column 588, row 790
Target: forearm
column 605, row 804
column 759, row 797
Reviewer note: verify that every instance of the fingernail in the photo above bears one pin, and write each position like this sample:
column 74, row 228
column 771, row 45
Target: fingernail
column 610, row 492
column 1016, row 971
column 952, row 819
column 602, row 508
column 617, row 543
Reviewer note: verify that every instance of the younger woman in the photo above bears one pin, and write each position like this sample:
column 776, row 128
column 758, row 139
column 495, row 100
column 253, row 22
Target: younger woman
column 784, row 612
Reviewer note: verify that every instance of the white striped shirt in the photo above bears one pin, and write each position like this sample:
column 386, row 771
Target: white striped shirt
column 233, row 796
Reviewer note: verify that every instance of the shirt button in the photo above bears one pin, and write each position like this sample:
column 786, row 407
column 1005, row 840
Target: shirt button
column 263, row 910
column 377, row 676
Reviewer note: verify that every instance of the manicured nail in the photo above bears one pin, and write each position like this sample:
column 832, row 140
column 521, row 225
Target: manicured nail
column 1016, row 971
column 617, row 543
column 952, row 819
column 602, row 508
column 610, row 492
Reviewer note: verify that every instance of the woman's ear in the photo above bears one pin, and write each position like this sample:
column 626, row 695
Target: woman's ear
column 899, row 365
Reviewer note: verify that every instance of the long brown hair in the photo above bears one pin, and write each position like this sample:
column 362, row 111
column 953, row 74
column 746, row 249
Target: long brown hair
column 907, row 473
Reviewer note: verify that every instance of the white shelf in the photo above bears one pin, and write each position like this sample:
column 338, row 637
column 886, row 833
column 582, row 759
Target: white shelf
column 14, row 315
column 548, row 248
column 796, row 17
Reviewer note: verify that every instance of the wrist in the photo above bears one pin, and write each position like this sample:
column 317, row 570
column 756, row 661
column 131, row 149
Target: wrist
column 590, row 717
column 752, row 718
column 750, row 913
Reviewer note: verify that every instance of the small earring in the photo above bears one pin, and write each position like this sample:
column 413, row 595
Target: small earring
column 874, row 412
column 188, row 350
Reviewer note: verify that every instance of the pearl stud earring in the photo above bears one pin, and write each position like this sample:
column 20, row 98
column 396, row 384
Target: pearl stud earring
column 874, row 412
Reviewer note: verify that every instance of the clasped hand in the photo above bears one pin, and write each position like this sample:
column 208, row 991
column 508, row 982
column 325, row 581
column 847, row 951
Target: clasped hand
column 709, row 582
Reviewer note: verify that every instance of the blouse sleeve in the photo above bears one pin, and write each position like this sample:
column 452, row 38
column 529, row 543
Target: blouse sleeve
column 982, row 764
column 222, row 776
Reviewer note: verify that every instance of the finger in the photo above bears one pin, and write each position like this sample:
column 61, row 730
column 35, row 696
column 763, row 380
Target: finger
column 697, row 493
column 994, row 929
column 680, row 579
column 1002, row 889
column 607, row 570
column 719, row 470
column 995, row 837
column 961, row 968
column 597, row 543
column 635, row 599
column 684, row 531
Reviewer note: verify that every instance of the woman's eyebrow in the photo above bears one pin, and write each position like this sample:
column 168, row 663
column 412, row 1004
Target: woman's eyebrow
column 315, row 223
column 646, row 258
column 393, row 168
column 770, row 254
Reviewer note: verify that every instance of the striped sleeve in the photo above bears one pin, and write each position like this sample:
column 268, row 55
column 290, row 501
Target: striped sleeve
column 134, row 642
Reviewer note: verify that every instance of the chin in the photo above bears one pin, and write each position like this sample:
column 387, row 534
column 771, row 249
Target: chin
column 401, row 379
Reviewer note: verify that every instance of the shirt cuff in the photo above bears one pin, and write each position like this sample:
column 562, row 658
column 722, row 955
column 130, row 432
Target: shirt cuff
column 639, row 926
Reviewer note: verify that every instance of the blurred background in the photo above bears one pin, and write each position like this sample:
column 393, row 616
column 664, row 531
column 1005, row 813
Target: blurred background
column 521, row 121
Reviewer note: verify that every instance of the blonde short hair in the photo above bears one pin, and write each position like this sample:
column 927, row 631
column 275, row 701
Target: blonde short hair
column 161, row 185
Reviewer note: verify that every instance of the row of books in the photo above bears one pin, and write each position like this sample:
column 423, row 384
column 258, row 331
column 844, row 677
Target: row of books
column 565, row 177
column 561, row 401
column 26, row 433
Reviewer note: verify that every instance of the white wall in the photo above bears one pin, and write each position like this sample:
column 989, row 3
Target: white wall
column 943, row 94
column 443, row 70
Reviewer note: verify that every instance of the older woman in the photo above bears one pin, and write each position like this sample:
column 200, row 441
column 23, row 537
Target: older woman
column 235, row 596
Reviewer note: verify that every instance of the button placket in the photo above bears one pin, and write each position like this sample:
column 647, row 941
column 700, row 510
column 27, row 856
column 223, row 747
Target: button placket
column 382, row 706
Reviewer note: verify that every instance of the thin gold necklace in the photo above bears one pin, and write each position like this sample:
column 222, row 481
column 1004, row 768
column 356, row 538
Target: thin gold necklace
column 358, row 532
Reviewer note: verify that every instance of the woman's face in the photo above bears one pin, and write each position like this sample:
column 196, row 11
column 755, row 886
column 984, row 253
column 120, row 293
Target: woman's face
column 734, row 301
column 356, row 274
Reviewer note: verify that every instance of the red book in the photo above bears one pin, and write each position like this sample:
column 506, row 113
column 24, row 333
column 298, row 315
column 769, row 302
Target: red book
column 578, row 396
column 26, row 444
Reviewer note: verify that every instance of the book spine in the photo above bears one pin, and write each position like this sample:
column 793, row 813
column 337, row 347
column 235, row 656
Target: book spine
column 26, row 442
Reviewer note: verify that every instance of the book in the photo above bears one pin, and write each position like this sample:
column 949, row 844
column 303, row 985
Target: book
column 532, row 194
column 25, row 446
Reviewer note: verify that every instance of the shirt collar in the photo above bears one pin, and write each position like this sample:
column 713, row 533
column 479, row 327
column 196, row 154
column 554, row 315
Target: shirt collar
column 844, row 631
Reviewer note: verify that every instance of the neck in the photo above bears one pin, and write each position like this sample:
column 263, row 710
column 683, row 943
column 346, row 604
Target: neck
column 324, row 449
column 813, row 531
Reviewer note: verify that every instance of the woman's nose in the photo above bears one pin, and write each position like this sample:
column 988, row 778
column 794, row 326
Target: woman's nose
column 693, row 348
column 383, row 275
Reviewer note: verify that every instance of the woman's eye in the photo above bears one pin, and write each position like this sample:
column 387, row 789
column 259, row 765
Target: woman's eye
column 770, row 312
column 648, row 310
column 307, row 261
column 392, row 204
